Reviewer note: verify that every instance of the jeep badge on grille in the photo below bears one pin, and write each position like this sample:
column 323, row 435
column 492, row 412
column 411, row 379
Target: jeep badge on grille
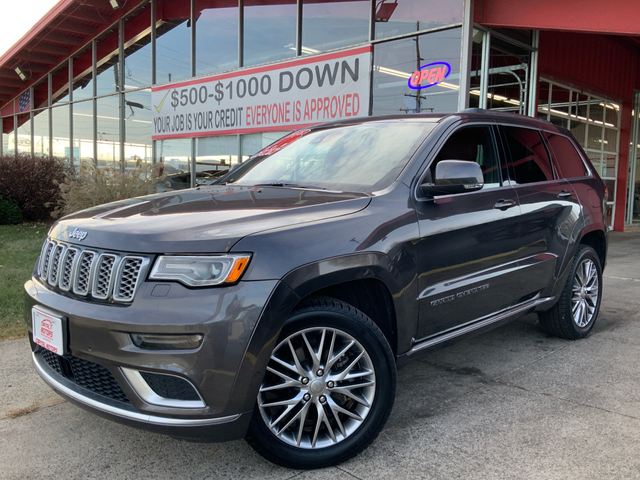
column 79, row 234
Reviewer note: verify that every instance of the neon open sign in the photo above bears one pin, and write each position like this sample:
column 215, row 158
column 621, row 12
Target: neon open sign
column 429, row 75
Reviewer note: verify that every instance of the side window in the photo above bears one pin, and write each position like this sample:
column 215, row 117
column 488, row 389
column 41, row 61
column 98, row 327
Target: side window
column 529, row 159
column 473, row 144
column 567, row 157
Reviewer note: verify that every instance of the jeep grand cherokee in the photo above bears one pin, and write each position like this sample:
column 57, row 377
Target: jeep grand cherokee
column 277, row 304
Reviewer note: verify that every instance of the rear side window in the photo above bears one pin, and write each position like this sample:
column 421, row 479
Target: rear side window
column 528, row 156
column 567, row 157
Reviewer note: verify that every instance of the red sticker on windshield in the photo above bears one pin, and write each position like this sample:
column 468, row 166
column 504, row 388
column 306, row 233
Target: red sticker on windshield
column 280, row 144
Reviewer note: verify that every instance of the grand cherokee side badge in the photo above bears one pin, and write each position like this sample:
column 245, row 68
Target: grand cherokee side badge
column 79, row 234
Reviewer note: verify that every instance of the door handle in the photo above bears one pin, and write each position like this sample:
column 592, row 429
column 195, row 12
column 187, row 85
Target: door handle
column 504, row 204
column 564, row 194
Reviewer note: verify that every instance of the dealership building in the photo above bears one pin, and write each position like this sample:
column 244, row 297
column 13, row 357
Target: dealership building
column 203, row 84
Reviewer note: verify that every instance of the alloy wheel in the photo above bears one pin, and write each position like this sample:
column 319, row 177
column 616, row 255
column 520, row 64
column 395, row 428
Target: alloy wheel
column 585, row 292
column 319, row 388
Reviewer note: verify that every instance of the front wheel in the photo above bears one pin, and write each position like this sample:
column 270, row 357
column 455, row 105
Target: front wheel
column 328, row 389
column 575, row 313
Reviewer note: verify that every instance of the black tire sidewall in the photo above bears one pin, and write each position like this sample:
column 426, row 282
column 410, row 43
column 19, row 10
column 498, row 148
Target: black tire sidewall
column 373, row 341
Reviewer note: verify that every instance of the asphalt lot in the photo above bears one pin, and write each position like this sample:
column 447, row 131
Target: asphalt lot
column 512, row 403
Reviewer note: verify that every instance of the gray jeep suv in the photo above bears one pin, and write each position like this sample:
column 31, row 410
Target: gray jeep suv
column 277, row 304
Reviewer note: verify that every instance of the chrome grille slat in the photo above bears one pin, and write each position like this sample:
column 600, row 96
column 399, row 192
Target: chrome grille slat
column 83, row 273
column 103, row 276
column 128, row 278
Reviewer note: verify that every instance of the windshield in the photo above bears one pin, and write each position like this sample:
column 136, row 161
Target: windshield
column 365, row 157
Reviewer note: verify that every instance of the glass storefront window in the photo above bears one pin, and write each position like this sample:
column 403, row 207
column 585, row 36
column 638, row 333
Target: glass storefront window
column 60, row 121
column 137, row 116
column 108, row 141
column 83, row 131
column 82, row 75
column 173, row 41
column 24, row 134
column 395, row 62
column 216, row 36
column 215, row 155
column 41, row 132
column 328, row 24
column 398, row 17
column 269, row 31
column 174, row 154
column 8, row 136
column 137, row 50
column 60, row 84
column 108, row 80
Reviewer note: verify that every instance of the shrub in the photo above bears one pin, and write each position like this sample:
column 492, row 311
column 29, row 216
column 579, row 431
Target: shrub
column 9, row 212
column 32, row 182
column 92, row 186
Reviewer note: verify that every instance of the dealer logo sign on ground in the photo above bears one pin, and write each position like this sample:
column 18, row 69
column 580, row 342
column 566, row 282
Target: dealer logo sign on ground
column 283, row 96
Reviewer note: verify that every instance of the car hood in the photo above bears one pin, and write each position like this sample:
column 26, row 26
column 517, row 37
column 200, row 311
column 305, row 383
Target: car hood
column 200, row 220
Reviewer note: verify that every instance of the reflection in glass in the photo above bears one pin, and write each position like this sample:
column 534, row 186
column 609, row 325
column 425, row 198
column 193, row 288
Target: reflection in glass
column 137, row 50
column 214, row 156
column 60, row 84
column 254, row 142
column 174, row 154
column 108, row 80
column 8, row 138
column 269, row 31
column 41, row 132
column 83, row 130
column 60, row 122
column 394, row 63
column 173, row 41
column 82, row 75
column 329, row 24
column 24, row 134
column 476, row 69
column 108, row 141
column 137, row 116
column 216, row 36
column 398, row 17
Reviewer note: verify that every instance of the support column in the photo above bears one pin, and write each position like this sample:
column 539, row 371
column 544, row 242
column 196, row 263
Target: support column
column 623, row 165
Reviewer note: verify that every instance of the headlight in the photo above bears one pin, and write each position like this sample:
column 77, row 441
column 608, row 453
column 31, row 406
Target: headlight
column 200, row 271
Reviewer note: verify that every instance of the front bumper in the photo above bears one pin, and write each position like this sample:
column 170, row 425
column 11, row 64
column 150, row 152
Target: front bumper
column 99, row 349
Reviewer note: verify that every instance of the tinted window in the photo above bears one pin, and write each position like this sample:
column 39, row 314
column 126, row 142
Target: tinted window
column 529, row 159
column 567, row 157
column 473, row 144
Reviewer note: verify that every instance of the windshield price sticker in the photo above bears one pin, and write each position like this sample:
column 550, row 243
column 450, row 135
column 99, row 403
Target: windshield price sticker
column 283, row 96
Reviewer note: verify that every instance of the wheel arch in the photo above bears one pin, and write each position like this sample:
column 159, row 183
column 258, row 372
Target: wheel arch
column 350, row 279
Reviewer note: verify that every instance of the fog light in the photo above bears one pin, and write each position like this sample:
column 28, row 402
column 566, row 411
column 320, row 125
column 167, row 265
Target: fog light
column 166, row 342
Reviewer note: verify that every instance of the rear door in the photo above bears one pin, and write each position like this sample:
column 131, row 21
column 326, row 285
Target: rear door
column 549, row 210
column 468, row 246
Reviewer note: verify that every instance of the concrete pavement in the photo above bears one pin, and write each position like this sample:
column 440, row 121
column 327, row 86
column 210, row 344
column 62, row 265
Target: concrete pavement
column 512, row 403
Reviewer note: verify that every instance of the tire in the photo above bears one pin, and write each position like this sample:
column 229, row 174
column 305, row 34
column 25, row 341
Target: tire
column 328, row 390
column 576, row 312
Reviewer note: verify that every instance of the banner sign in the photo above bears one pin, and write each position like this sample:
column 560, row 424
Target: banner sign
column 283, row 96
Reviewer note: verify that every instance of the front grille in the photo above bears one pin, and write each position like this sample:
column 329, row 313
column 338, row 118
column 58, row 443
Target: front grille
column 169, row 386
column 85, row 374
column 101, row 275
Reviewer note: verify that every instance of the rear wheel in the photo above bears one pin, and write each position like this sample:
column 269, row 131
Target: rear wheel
column 328, row 389
column 575, row 313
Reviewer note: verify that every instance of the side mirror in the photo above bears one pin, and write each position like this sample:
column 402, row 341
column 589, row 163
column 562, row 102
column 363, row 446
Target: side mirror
column 454, row 176
column 235, row 166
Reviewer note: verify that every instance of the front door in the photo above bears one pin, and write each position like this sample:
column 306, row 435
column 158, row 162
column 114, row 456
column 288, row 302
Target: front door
column 468, row 248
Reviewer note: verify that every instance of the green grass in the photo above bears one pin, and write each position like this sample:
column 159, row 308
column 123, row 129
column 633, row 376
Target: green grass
column 19, row 248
